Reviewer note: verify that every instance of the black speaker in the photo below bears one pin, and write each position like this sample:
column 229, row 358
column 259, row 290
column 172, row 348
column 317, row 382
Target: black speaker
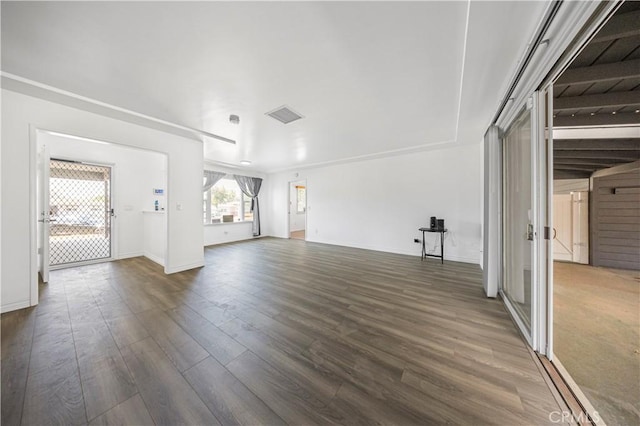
column 441, row 224
column 433, row 222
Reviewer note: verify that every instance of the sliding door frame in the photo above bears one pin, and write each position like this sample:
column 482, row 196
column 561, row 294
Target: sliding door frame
column 537, row 333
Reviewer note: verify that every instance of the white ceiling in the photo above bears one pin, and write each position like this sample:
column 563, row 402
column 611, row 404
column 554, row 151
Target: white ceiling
column 370, row 78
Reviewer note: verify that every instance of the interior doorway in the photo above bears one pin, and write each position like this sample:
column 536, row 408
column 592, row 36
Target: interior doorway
column 298, row 210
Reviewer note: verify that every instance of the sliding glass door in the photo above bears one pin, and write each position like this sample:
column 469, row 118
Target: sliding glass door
column 518, row 257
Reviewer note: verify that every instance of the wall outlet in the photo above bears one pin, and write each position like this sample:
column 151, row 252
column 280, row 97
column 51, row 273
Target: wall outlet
column 416, row 240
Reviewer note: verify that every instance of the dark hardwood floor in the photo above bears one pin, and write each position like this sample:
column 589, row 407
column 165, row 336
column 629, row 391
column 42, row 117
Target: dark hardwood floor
column 270, row 331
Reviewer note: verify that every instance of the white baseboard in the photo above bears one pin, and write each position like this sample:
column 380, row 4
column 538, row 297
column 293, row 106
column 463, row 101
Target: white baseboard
column 416, row 253
column 130, row 255
column 154, row 258
column 15, row 306
column 174, row 269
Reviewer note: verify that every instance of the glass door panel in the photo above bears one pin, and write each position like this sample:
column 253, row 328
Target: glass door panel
column 518, row 218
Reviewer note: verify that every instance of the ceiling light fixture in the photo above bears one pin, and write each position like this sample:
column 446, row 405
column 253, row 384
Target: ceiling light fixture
column 637, row 111
column 593, row 113
column 614, row 113
column 245, row 162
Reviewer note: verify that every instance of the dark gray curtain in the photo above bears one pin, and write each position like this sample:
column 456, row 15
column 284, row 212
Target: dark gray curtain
column 211, row 178
column 250, row 187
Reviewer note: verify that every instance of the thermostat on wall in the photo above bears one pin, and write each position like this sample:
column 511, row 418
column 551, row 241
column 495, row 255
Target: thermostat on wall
column 157, row 191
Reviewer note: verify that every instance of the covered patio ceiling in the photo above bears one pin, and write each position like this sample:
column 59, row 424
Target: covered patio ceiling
column 599, row 90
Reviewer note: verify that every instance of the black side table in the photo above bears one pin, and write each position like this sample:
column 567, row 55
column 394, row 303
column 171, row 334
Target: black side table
column 424, row 247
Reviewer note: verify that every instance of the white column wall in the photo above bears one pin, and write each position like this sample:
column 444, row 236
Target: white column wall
column 20, row 115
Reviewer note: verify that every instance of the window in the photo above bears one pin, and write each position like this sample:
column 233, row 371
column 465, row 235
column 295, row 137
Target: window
column 224, row 202
column 301, row 199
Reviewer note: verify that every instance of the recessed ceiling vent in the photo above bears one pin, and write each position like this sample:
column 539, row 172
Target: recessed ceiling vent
column 284, row 114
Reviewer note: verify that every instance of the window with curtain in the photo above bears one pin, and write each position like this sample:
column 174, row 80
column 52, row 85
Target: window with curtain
column 224, row 202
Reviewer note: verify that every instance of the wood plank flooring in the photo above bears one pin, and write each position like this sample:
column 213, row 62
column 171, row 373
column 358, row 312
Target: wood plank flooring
column 270, row 331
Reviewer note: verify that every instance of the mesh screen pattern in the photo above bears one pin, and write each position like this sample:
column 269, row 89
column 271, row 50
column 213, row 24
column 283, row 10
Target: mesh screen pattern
column 80, row 212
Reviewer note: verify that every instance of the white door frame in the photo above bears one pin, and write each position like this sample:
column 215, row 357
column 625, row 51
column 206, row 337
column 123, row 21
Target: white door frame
column 113, row 240
column 44, row 218
column 33, row 215
column 539, row 254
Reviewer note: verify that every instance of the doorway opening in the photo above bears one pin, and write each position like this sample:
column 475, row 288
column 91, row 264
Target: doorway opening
column 298, row 210
column 79, row 212
column 596, row 221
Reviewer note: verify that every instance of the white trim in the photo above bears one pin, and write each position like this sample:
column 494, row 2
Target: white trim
column 396, row 251
column 566, row 25
column 157, row 259
column 15, row 306
column 536, row 220
column 238, row 240
column 549, row 197
column 242, row 222
column 492, row 213
column 516, row 318
column 51, row 89
column 464, row 57
column 129, row 255
column 542, row 246
column 180, row 268
column 365, row 157
column 33, row 216
column 113, row 233
column 83, row 263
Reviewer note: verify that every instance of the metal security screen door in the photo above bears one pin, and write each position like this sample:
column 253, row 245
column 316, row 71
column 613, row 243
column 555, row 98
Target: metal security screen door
column 80, row 212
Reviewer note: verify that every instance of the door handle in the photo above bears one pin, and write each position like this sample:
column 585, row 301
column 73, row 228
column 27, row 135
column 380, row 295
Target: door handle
column 530, row 232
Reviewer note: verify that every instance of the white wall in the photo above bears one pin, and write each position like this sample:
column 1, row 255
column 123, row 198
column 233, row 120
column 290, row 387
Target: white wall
column 380, row 204
column 227, row 232
column 155, row 242
column 135, row 173
column 20, row 115
column 296, row 220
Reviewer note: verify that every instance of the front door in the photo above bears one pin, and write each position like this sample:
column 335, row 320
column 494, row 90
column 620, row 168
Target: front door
column 80, row 212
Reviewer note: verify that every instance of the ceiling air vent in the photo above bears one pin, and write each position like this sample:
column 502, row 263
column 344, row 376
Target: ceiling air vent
column 284, row 114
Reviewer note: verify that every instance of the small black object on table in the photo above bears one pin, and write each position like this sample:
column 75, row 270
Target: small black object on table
column 441, row 231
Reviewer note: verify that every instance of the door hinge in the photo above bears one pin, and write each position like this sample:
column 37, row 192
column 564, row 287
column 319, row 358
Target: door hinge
column 547, row 233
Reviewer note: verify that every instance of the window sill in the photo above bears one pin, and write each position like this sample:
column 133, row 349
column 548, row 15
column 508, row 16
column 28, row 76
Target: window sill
column 229, row 223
